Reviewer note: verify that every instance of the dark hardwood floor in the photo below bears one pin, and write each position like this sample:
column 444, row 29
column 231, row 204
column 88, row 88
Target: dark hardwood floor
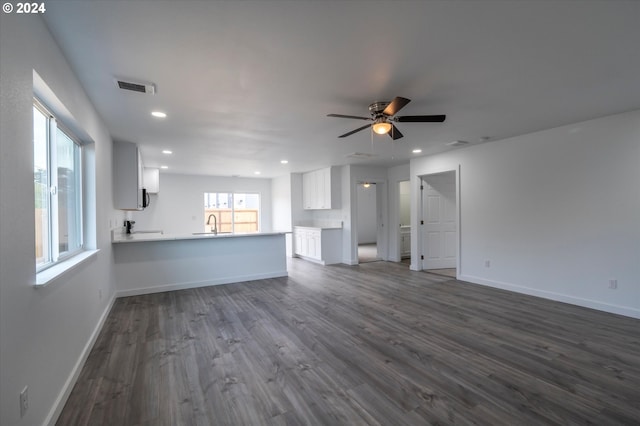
column 372, row 344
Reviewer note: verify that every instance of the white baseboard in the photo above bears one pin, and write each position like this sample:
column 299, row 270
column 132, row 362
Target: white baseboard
column 61, row 400
column 197, row 284
column 559, row 297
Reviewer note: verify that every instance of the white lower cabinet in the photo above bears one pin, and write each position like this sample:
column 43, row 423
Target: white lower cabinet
column 320, row 245
column 405, row 241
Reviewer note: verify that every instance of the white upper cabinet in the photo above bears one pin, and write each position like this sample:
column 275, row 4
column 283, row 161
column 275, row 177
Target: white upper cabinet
column 152, row 180
column 321, row 189
column 127, row 176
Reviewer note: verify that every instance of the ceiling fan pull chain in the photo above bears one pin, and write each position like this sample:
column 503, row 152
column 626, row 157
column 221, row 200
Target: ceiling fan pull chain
column 371, row 133
column 393, row 143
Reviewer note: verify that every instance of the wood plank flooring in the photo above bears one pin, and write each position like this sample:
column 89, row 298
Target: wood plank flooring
column 374, row 344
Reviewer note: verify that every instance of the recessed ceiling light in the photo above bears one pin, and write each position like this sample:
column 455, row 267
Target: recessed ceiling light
column 166, row 151
column 256, row 172
column 284, row 161
column 417, row 151
column 164, row 167
column 158, row 114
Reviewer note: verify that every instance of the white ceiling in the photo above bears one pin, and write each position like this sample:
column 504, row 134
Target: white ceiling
column 246, row 84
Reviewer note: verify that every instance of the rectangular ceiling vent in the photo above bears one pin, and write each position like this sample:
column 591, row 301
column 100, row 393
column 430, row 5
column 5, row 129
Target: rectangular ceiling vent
column 457, row 143
column 148, row 88
column 361, row 155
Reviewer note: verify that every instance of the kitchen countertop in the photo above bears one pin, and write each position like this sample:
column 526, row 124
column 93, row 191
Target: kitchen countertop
column 324, row 228
column 117, row 238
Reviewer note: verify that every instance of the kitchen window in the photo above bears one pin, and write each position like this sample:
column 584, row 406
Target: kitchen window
column 231, row 213
column 57, row 179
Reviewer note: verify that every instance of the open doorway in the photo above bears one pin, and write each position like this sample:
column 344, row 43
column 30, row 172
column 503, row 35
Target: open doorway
column 440, row 224
column 367, row 223
column 404, row 209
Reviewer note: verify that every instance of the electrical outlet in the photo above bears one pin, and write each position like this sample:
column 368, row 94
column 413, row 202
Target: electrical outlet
column 487, row 264
column 24, row 401
column 613, row 284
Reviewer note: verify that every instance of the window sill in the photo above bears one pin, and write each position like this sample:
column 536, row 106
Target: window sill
column 48, row 275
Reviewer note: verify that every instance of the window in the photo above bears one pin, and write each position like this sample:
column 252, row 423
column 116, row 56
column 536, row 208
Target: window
column 57, row 179
column 231, row 213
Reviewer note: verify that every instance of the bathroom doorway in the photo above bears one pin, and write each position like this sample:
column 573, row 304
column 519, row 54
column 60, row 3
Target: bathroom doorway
column 404, row 216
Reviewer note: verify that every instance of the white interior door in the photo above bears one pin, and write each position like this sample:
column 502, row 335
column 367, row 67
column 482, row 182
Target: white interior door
column 439, row 233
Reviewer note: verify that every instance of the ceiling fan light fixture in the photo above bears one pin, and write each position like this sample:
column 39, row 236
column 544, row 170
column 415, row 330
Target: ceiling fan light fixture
column 381, row 126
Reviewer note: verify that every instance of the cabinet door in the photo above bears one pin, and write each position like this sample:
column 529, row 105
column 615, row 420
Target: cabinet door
column 324, row 188
column 318, row 245
column 297, row 235
column 316, row 189
column 314, row 244
column 405, row 247
column 152, row 180
column 127, row 176
column 308, row 190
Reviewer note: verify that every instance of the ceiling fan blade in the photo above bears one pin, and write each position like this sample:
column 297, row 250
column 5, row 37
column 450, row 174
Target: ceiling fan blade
column 354, row 131
column 394, row 133
column 421, row 119
column 396, row 105
column 349, row 116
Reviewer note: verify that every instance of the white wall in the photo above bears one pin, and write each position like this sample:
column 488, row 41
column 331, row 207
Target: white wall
column 556, row 212
column 281, row 208
column 367, row 218
column 44, row 333
column 281, row 203
column 179, row 206
column 299, row 215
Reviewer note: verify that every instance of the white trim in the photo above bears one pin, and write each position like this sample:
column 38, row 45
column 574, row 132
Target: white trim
column 61, row 400
column 550, row 295
column 56, row 271
column 196, row 284
column 382, row 201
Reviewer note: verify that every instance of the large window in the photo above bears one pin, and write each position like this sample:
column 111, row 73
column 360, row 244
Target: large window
column 231, row 213
column 57, row 182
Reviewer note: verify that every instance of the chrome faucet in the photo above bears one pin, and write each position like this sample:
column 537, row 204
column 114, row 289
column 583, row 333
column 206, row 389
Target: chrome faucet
column 214, row 228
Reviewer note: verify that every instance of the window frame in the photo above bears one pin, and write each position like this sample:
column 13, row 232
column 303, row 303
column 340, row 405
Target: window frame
column 53, row 125
column 233, row 209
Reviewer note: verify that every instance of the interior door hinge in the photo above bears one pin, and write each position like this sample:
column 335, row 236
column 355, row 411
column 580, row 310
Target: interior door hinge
column 422, row 257
column 422, row 222
column 421, row 187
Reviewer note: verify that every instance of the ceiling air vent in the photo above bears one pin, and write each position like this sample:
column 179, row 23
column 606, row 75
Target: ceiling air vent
column 148, row 88
column 457, row 143
column 361, row 155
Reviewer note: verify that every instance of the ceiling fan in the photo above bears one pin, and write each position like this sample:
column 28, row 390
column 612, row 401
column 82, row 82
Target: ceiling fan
column 384, row 113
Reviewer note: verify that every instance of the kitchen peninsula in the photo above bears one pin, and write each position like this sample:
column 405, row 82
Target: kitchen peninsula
column 156, row 262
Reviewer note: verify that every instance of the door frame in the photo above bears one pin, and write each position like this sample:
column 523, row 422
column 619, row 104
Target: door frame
column 397, row 256
column 418, row 263
column 382, row 219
